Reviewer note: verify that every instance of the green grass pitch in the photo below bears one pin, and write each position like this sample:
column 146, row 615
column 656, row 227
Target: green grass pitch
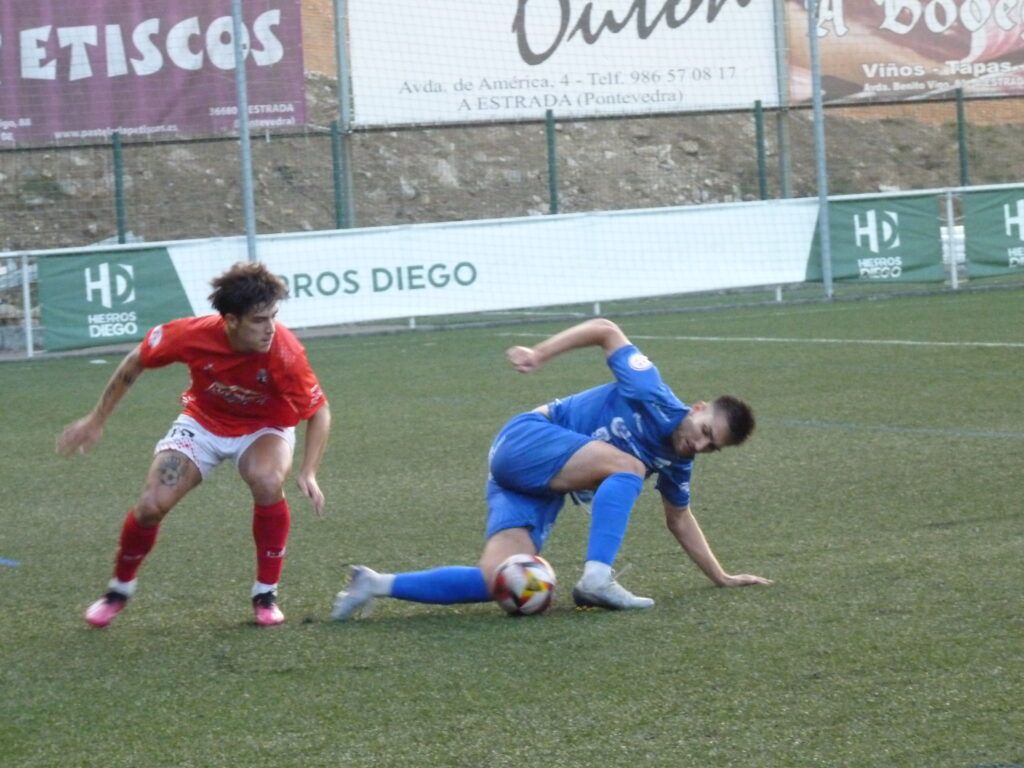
column 882, row 491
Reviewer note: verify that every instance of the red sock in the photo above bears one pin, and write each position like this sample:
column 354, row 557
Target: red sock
column 135, row 544
column 270, row 525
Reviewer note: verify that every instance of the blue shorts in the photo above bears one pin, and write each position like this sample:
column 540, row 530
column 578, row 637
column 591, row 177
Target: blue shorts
column 525, row 456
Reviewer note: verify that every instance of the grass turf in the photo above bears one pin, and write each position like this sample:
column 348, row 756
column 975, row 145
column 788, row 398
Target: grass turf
column 882, row 492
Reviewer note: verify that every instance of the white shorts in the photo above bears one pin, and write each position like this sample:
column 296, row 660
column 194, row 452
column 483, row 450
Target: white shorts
column 207, row 450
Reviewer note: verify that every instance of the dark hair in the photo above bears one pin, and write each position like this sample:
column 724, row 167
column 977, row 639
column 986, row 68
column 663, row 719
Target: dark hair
column 738, row 415
column 244, row 287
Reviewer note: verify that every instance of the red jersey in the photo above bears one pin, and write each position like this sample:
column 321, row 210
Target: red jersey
column 234, row 393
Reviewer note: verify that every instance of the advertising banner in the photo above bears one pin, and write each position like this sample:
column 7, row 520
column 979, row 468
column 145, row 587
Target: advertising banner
column 79, row 70
column 994, row 232
column 908, row 49
column 106, row 298
column 465, row 61
column 378, row 273
column 886, row 239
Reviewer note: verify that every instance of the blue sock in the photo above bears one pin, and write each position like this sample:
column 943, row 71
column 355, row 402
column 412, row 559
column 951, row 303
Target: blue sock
column 443, row 586
column 609, row 517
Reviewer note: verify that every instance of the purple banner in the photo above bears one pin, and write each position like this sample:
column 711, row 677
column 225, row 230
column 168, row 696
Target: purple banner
column 78, row 70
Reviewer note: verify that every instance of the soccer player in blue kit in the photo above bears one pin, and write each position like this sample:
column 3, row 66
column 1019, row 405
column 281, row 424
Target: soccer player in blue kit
column 607, row 440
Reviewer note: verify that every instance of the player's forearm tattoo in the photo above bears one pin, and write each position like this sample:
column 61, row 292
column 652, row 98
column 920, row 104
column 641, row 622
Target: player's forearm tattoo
column 170, row 471
column 124, row 380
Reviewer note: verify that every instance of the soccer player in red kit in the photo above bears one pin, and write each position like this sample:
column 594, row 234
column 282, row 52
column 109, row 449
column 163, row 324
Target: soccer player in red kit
column 251, row 384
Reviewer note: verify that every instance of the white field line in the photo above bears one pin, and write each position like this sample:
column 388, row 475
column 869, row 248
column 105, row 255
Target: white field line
column 795, row 340
column 888, row 428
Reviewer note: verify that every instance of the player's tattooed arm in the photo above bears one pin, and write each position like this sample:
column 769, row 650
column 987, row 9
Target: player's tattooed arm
column 81, row 435
column 126, row 374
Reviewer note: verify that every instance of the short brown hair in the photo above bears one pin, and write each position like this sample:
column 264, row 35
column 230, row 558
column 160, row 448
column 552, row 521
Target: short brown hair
column 738, row 415
column 247, row 285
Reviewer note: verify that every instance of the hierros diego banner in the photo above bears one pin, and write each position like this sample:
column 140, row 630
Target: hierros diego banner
column 100, row 298
column 994, row 231
column 80, row 70
column 883, row 240
column 113, row 295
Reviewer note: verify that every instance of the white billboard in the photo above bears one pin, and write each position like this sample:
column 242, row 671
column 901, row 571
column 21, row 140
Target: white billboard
column 466, row 61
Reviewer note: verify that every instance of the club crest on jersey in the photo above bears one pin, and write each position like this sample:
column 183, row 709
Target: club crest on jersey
column 261, row 376
column 638, row 361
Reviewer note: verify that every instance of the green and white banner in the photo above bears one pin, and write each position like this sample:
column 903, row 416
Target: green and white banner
column 97, row 298
column 994, row 232
column 115, row 295
column 885, row 239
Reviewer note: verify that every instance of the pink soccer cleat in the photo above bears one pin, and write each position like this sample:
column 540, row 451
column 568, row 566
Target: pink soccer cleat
column 267, row 612
column 103, row 611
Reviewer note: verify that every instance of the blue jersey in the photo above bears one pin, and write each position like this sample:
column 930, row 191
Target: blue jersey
column 636, row 413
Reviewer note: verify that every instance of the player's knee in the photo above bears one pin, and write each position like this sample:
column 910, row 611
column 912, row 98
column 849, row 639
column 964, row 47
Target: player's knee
column 151, row 509
column 268, row 486
column 627, row 463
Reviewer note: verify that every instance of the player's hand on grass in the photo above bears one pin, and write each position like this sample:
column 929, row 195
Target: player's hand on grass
column 523, row 359
column 79, row 436
column 744, row 580
column 311, row 490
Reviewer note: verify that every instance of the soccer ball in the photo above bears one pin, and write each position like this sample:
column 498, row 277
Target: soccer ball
column 524, row 584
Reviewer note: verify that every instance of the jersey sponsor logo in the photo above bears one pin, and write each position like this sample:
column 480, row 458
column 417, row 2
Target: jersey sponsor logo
column 235, row 394
column 638, row 361
column 155, row 336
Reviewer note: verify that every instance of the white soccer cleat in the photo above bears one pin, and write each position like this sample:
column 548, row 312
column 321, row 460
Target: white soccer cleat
column 358, row 597
column 609, row 594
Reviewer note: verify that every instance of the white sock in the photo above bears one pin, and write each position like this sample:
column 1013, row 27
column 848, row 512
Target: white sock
column 126, row 588
column 380, row 584
column 258, row 588
column 596, row 572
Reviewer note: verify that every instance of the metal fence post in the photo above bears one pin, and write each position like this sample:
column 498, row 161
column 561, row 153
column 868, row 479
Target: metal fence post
column 119, row 209
column 762, row 176
column 954, row 277
column 961, row 137
column 549, row 125
column 245, row 152
column 344, row 178
column 336, row 171
column 824, row 229
column 782, row 84
column 26, row 306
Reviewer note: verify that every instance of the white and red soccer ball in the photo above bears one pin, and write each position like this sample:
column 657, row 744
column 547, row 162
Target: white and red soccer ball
column 524, row 585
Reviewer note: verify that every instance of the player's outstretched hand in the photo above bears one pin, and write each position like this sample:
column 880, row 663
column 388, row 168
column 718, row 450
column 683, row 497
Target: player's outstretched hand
column 79, row 436
column 523, row 359
column 311, row 490
column 745, row 580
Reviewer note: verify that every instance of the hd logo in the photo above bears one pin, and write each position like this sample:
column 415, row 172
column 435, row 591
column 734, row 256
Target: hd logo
column 1014, row 220
column 110, row 285
column 878, row 230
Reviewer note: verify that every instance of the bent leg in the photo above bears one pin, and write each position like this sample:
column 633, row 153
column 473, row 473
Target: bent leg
column 451, row 584
column 171, row 476
column 591, row 464
column 459, row 583
column 618, row 477
column 264, row 466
